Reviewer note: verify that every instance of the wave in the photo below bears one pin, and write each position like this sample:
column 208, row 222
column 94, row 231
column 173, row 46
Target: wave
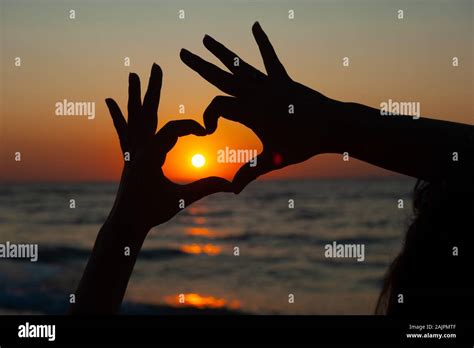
column 352, row 263
column 52, row 302
column 63, row 253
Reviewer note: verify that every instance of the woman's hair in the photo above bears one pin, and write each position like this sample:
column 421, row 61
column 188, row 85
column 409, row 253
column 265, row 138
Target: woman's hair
column 432, row 275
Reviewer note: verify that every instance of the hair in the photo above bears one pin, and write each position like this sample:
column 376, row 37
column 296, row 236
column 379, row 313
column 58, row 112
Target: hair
column 432, row 275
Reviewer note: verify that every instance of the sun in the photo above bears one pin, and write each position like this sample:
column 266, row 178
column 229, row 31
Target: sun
column 198, row 160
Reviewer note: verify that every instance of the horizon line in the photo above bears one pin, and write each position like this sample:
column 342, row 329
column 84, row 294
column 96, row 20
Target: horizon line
column 338, row 178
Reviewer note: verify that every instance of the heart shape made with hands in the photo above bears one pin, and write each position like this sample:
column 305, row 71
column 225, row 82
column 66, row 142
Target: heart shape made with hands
column 223, row 153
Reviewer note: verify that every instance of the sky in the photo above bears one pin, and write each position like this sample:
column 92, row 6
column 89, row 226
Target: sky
column 83, row 60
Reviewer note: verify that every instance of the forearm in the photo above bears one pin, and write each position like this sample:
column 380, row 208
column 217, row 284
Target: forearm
column 422, row 148
column 104, row 282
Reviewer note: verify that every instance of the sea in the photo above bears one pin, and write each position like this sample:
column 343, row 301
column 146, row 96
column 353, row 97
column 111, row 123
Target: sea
column 259, row 252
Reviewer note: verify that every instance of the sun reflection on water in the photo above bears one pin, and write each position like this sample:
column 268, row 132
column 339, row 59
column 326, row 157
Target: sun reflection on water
column 200, row 231
column 196, row 249
column 200, row 301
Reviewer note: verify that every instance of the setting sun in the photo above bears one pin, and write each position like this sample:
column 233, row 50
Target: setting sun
column 198, row 160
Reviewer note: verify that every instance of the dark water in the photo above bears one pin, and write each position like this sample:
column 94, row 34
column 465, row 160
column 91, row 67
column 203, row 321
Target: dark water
column 281, row 249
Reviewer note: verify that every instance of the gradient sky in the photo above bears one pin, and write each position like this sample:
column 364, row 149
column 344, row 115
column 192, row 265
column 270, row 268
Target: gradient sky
column 82, row 60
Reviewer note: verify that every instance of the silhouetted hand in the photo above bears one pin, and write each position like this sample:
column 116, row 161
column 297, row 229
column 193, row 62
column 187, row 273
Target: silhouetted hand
column 146, row 196
column 284, row 114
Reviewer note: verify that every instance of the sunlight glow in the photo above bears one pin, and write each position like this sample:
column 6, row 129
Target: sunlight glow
column 198, row 160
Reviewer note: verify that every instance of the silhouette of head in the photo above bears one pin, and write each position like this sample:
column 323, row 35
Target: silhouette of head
column 432, row 275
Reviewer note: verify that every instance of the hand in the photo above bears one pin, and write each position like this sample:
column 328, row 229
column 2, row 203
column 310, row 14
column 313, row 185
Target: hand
column 291, row 120
column 146, row 196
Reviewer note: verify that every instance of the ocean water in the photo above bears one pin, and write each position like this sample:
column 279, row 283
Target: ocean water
column 281, row 250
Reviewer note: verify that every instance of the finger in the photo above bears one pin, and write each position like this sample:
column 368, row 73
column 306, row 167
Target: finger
column 152, row 98
column 134, row 101
column 119, row 122
column 227, row 107
column 252, row 170
column 270, row 59
column 168, row 135
column 232, row 61
column 204, row 187
column 223, row 80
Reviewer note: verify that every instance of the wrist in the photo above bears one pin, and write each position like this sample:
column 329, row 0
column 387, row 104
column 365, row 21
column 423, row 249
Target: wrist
column 124, row 217
column 347, row 126
column 332, row 124
column 127, row 210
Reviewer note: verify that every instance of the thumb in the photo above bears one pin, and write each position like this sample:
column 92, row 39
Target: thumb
column 264, row 163
column 201, row 188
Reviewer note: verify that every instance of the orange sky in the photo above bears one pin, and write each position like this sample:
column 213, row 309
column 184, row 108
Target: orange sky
column 82, row 60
